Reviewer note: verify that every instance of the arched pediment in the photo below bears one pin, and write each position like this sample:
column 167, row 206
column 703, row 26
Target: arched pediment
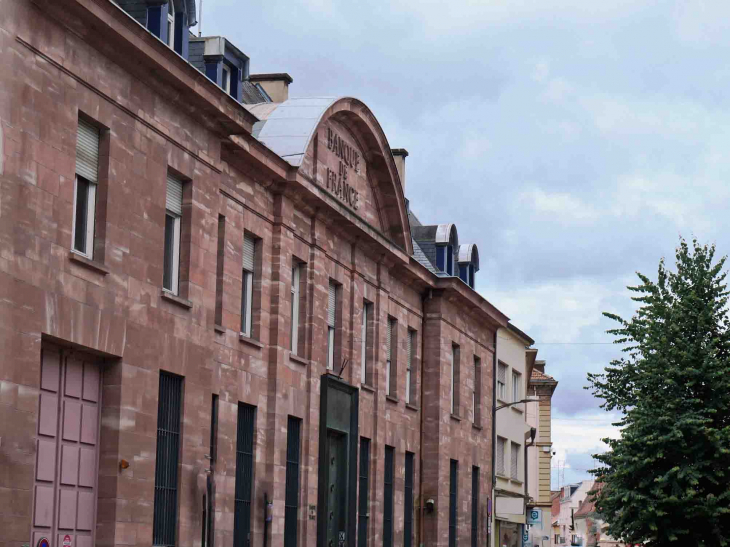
column 338, row 144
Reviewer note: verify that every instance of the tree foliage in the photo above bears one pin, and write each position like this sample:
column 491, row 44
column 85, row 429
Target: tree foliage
column 667, row 478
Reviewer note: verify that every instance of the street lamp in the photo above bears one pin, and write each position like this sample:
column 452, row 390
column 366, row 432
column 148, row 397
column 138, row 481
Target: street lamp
column 500, row 407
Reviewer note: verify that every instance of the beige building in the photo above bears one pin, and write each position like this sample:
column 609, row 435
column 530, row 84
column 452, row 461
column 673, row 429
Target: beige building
column 538, row 414
column 515, row 360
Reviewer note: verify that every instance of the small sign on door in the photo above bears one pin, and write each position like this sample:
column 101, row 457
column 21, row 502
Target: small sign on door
column 66, row 541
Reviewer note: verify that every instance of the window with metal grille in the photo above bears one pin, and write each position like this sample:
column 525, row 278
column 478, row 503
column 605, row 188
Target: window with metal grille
column 474, row 506
column 514, row 461
column 391, row 343
column 500, row 455
column 477, row 402
column 87, row 173
column 363, row 511
column 169, row 408
column 331, row 323
column 249, row 257
column 388, row 497
column 502, row 382
column 219, row 269
column 173, row 216
column 244, row 475
column 410, row 354
column 453, row 489
column 408, row 502
column 291, row 502
column 365, row 328
column 296, row 271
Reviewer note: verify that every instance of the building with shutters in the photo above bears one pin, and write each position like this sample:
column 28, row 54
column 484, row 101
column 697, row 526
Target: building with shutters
column 222, row 323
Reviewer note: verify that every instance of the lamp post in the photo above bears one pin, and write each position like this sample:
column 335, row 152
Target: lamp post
column 495, row 408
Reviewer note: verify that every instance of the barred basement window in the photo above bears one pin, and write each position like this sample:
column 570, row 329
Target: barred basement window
column 169, row 407
column 408, row 502
column 244, row 476
column 291, row 502
column 474, row 506
column 173, row 216
column 388, row 497
column 331, row 322
column 87, row 177
column 363, row 510
column 249, row 256
column 453, row 489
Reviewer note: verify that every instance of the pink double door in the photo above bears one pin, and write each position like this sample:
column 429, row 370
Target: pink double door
column 67, row 455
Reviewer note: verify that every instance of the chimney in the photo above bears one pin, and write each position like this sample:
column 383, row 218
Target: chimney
column 275, row 85
column 540, row 365
column 399, row 156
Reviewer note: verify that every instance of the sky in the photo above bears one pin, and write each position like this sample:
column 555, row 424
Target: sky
column 574, row 141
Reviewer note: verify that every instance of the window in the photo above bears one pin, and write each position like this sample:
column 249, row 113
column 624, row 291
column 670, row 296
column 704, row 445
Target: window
column 477, row 394
column 208, row 508
column 87, row 177
column 244, row 475
column 249, row 257
column 514, row 461
column 219, row 271
column 408, row 502
column 173, row 216
column 388, row 498
column 171, row 24
column 391, row 345
column 291, row 502
column 226, row 79
column 410, row 347
column 453, row 489
column 445, row 259
column 455, row 354
column 363, row 511
column 500, row 456
column 169, row 405
column 474, row 506
column 365, row 329
column 516, row 386
column 502, row 382
column 296, row 272
column 331, row 319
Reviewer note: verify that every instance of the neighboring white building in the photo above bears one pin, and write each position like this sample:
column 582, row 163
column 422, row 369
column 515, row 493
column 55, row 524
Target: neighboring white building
column 515, row 360
column 538, row 415
column 590, row 527
column 570, row 500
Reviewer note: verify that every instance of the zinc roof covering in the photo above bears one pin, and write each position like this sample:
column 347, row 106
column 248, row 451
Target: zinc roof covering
column 287, row 127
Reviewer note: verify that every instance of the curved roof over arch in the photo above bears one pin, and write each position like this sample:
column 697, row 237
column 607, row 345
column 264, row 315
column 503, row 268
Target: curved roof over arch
column 469, row 253
column 290, row 129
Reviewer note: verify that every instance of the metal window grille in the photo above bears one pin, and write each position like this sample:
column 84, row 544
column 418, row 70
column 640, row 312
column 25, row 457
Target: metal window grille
column 474, row 506
column 363, row 512
column 169, row 405
column 408, row 502
column 291, row 502
column 500, row 455
column 244, row 476
column 453, row 489
column 514, row 459
column 388, row 499
column 208, row 512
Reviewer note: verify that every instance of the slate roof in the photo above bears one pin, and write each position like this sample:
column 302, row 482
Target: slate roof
column 253, row 93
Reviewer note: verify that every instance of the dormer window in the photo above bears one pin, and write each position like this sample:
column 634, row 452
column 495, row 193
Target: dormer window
column 445, row 259
column 171, row 24
column 226, row 79
column 468, row 264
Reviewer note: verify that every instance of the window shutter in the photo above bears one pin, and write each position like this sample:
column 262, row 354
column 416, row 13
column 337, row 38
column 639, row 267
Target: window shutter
column 388, row 339
column 500, row 455
column 331, row 303
column 174, row 195
column 87, row 151
column 502, row 374
column 409, row 350
column 515, row 458
column 248, row 252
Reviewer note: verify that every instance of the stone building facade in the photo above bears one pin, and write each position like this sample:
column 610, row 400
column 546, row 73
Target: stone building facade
column 222, row 324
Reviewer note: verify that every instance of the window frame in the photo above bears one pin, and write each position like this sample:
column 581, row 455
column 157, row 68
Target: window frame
column 247, row 283
column 174, row 263
column 226, row 78
column 410, row 349
column 516, row 386
column 391, row 368
column 365, row 342
column 332, row 328
column 171, row 24
column 500, row 470
column 296, row 296
column 514, row 470
column 502, row 385
column 89, row 220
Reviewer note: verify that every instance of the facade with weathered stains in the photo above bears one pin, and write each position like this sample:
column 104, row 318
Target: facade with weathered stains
column 221, row 323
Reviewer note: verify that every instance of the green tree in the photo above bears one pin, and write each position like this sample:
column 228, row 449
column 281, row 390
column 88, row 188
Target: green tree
column 666, row 480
